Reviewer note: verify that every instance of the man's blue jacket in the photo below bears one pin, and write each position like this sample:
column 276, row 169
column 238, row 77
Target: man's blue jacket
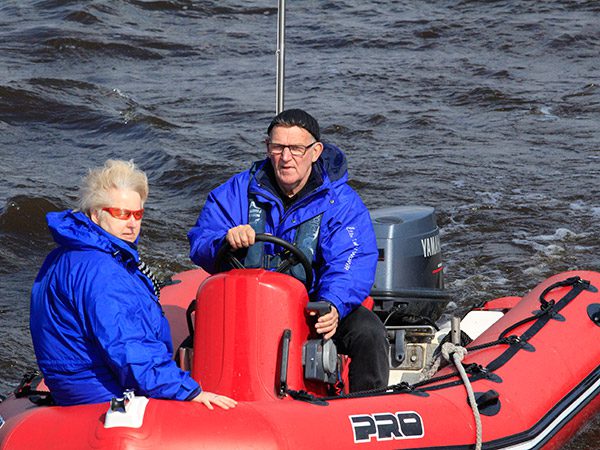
column 346, row 254
column 96, row 325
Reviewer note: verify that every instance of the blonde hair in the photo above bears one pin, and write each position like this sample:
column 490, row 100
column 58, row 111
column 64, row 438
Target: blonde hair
column 115, row 174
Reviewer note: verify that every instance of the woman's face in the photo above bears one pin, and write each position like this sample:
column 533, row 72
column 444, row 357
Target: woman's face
column 126, row 229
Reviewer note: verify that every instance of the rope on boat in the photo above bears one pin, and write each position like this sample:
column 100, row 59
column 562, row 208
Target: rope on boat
column 456, row 354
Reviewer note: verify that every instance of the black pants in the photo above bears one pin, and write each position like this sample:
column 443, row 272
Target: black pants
column 362, row 336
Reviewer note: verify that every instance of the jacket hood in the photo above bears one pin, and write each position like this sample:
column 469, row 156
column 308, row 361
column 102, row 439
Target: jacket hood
column 75, row 230
column 333, row 162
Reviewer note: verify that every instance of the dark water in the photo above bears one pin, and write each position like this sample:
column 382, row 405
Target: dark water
column 487, row 110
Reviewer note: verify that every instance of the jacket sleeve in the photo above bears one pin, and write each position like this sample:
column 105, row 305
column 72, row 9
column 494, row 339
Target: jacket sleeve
column 225, row 207
column 348, row 256
column 127, row 325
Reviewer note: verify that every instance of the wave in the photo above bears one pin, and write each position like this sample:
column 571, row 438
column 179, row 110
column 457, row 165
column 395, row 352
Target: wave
column 24, row 236
column 191, row 180
column 74, row 104
column 491, row 98
column 82, row 17
column 584, row 42
column 65, row 46
column 204, row 8
column 26, row 216
column 46, row 44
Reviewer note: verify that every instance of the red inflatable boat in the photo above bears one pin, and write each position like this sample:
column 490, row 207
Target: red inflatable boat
column 535, row 374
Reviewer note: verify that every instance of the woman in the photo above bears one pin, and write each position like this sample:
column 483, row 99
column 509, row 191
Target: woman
column 96, row 323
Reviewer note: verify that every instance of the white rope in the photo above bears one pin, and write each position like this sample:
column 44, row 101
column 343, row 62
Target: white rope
column 430, row 371
column 457, row 354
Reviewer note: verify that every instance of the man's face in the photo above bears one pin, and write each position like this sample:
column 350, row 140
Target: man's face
column 292, row 172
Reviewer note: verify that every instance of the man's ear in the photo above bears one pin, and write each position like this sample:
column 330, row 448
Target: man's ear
column 317, row 149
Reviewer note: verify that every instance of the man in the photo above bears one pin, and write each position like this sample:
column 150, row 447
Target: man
column 299, row 193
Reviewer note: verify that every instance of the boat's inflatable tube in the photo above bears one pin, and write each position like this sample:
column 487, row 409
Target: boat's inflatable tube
column 536, row 373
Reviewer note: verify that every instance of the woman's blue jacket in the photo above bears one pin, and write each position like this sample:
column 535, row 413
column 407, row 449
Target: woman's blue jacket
column 96, row 325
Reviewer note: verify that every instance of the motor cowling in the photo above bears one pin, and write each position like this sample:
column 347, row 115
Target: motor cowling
column 409, row 284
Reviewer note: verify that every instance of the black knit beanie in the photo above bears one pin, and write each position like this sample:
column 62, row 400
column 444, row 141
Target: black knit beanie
column 298, row 118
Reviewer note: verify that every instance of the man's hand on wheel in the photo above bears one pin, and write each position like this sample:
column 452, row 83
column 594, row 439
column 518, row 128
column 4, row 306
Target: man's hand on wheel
column 241, row 236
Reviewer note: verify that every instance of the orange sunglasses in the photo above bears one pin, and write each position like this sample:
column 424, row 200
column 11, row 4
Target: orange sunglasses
column 124, row 214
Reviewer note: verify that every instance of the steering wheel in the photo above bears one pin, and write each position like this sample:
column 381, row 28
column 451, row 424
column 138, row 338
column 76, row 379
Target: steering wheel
column 290, row 258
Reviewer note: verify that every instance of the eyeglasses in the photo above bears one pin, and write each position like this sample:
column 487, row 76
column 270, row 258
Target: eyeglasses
column 124, row 214
column 295, row 149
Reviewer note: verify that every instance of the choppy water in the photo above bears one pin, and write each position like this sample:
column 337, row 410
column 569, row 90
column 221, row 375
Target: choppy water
column 487, row 110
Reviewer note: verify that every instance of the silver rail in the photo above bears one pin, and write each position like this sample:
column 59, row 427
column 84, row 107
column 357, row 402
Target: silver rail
column 279, row 86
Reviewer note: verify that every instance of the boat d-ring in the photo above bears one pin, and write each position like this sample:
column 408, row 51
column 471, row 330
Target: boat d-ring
column 593, row 311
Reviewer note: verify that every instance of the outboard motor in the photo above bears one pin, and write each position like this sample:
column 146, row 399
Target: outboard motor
column 408, row 292
column 409, row 281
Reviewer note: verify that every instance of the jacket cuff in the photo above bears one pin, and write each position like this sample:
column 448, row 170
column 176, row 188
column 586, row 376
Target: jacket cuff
column 341, row 308
column 188, row 390
column 193, row 394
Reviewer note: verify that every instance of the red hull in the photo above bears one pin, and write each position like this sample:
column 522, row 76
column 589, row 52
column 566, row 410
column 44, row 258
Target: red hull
column 545, row 395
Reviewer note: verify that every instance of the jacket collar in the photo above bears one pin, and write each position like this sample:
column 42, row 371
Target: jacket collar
column 73, row 229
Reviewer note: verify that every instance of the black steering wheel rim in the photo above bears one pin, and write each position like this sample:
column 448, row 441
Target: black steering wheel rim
column 225, row 252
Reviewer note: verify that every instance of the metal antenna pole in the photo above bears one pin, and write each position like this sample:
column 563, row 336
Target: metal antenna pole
column 280, row 56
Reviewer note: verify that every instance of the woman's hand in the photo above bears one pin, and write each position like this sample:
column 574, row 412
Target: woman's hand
column 208, row 398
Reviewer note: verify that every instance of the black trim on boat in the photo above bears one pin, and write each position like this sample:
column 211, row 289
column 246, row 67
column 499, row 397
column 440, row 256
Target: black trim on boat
column 543, row 431
column 557, row 417
column 552, row 422
column 549, row 311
